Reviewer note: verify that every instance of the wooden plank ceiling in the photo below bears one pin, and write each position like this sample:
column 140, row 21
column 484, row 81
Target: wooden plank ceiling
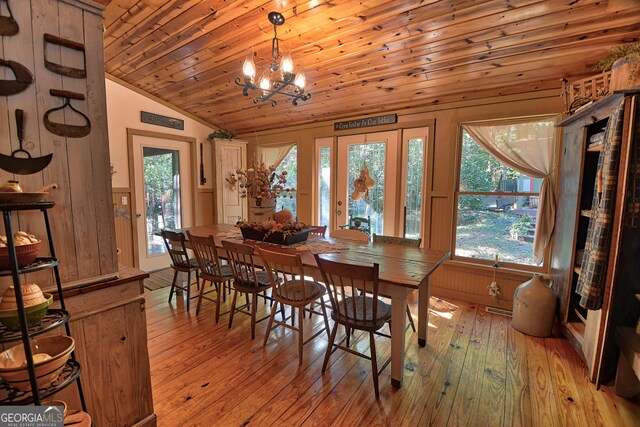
column 360, row 56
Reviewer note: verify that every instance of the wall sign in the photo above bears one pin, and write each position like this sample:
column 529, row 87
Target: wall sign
column 363, row 123
column 158, row 120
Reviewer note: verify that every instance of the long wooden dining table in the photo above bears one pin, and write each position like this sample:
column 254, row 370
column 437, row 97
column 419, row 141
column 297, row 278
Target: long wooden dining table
column 402, row 271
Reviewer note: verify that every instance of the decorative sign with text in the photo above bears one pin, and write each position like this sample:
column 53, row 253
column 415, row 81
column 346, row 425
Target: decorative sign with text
column 158, row 120
column 363, row 123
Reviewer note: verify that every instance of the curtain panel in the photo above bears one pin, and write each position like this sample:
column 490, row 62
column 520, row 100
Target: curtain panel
column 527, row 147
column 595, row 260
column 274, row 154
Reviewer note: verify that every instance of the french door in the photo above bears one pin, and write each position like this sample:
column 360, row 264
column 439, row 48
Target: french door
column 377, row 153
column 397, row 167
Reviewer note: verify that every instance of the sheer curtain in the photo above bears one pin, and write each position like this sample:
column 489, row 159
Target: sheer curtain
column 527, row 146
column 274, row 154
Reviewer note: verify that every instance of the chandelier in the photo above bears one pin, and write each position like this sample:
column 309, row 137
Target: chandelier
column 290, row 85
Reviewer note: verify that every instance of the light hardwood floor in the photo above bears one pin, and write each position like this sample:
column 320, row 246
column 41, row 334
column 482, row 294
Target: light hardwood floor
column 476, row 370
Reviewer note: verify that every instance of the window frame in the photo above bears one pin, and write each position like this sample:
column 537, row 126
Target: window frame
column 543, row 268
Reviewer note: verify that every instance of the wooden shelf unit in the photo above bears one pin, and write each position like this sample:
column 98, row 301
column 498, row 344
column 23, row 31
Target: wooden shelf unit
column 590, row 331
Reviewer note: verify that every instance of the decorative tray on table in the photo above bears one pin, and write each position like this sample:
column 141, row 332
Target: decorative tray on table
column 278, row 237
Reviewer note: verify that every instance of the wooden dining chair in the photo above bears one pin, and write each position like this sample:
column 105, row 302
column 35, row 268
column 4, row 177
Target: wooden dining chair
column 211, row 269
column 294, row 290
column 318, row 230
column 180, row 262
column 400, row 241
column 346, row 233
column 365, row 311
column 248, row 279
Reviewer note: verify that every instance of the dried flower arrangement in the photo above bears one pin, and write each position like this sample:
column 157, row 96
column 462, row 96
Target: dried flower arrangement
column 276, row 230
column 261, row 182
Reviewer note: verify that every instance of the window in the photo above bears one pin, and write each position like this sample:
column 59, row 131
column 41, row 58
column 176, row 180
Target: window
column 496, row 205
column 290, row 165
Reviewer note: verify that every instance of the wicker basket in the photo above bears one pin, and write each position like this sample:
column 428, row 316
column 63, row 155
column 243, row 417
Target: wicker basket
column 580, row 92
column 25, row 253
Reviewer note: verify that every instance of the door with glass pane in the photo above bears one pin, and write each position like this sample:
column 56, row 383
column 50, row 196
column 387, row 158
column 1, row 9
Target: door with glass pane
column 377, row 153
column 163, row 194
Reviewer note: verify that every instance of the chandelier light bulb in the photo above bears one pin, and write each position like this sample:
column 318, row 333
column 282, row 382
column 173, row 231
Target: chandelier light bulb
column 300, row 81
column 248, row 67
column 265, row 83
column 287, row 64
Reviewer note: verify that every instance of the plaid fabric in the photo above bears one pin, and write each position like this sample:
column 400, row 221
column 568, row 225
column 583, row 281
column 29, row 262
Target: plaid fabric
column 596, row 252
column 633, row 195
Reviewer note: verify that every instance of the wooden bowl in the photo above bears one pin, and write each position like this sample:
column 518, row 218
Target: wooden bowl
column 31, row 295
column 35, row 313
column 13, row 366
column 25, row 253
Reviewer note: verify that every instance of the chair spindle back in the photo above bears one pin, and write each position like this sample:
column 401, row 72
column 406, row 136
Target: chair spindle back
column 175, row 243
column 240, row 258
column 344, row 283
column 206, row 254
column 288, row 264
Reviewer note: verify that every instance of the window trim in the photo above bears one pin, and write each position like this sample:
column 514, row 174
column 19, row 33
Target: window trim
column 457, row 193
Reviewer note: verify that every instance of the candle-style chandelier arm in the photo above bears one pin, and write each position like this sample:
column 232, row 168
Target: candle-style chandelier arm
column 278, row 85
column 290, row 85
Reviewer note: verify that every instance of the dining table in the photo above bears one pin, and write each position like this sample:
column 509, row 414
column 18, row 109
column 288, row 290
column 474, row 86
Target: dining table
column 402, row 271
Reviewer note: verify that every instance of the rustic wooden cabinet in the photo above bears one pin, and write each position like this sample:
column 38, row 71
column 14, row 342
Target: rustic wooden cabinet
column 591, row 331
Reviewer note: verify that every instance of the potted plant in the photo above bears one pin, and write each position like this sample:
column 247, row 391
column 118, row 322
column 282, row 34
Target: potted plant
column 624, row 63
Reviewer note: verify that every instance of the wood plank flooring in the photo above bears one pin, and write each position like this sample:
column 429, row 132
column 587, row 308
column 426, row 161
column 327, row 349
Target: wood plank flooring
column 476, row 370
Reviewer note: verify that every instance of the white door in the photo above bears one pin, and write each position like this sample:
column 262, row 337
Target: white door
column 229, row 156
column 164, row 194
column 379, row 153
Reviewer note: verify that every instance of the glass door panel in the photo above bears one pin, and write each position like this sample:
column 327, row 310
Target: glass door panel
column 371, row 205
column 379, row 153
column 161, row 177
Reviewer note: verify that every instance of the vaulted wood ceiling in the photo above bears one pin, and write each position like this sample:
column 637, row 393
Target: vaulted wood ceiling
column 360, row 56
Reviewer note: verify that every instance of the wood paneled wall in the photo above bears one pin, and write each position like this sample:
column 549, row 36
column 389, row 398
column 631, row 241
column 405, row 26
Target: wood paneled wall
column 82, row 221
column 124, row 226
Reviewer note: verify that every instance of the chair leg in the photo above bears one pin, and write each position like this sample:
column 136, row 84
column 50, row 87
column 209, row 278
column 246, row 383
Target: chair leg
column 330, row 347
column 173, row 284
column 374, row 364
column 348, row 332
column 233, row 307
column 254, row 307
column 300, row 334
column 217, row 285
column 326, row 319
column 413, row 325
column 188, row 289
column 198, row 280
column 271, row 317
column 200, row 297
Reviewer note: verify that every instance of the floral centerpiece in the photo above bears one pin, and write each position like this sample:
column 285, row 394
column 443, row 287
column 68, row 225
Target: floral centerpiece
column 283, row 229
column 261, row 182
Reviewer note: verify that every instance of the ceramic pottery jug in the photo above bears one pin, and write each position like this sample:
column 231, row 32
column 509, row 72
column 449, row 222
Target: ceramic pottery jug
column 534, row 306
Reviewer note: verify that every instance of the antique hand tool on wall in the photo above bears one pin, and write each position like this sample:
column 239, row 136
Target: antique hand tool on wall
column 77, row 73
column 8, row 25
column 23, row 78
column 61, row 129
column 19, row 164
